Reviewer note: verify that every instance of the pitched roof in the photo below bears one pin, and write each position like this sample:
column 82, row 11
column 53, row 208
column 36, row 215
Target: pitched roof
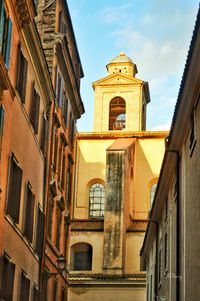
column 94, row 225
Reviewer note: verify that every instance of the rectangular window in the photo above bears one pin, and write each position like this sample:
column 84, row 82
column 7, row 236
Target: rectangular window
column 14, row 191
column 62, row 24
column 50, row 216
column 21, row 74
column 159, row 266
column 43, row 137
column 5, row 34
column 65, row 110
column 166, row 251
column 35, row 109
column 58, row 227
column 36, row 294
column 29, row 213
column 8, row 272
column 1, row 127
column 68, row 187
column 24, row 287
column 60, row 162
column 58, row 87
column 40, row 232
column 63, row 171
column 63, row 295
column 55, row 287
column 55, row 151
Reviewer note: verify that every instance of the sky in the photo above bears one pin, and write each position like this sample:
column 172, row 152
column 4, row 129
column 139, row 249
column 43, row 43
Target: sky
column 156, row 34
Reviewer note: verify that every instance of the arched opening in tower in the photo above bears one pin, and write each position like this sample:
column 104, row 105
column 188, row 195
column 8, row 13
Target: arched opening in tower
column 117, row 114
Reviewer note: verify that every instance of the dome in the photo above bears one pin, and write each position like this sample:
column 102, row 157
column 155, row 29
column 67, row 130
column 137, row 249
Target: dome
column 121, row 58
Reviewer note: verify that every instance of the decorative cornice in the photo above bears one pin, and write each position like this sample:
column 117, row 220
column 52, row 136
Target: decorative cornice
column 25, row 11
column 122, row 134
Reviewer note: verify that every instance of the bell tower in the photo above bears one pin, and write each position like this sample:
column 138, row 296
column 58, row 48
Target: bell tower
column 120, row 98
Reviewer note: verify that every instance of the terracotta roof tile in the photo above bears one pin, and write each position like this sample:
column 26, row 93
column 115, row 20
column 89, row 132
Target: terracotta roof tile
column 83, row 225
column 87, row 225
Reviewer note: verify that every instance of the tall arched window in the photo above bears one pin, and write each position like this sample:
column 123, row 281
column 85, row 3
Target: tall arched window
column 81, row 257
column 96, row 200
column 117, row 114
column 152, row 193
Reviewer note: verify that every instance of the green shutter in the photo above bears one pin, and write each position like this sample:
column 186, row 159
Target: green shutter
column 8, row 42
column 1, row 21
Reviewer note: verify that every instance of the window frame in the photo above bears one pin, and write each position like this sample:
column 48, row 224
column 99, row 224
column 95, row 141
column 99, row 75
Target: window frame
column 102, row 197
column 12, row 187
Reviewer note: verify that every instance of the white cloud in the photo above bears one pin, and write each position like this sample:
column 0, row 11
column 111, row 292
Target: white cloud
column 162, row 127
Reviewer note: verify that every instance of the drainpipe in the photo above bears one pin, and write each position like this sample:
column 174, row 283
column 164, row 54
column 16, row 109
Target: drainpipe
column 177, row 223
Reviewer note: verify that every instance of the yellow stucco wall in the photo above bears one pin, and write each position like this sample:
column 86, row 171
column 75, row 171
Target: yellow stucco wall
column 131, row 92
column 108, row 294
column 91, row 166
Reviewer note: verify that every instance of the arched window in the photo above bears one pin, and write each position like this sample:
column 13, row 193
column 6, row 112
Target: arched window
column 81, row 257
column 117, row 114
column 96, row 200
column 152, row 193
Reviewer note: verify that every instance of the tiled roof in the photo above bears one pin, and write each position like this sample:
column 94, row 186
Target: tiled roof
column 83, row 225
column 138, row 226
column 87, row 225
column 133, row 280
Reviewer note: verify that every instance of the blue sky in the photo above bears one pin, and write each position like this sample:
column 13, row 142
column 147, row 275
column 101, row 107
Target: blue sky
column 156, row 34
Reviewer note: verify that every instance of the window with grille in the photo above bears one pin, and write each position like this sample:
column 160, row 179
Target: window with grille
column 8, row 272
column 24, row 287
column 81, row 257
column 14, row 190
column 29, row 213
column 96, row 200
column 117, row 114
column 21, row 74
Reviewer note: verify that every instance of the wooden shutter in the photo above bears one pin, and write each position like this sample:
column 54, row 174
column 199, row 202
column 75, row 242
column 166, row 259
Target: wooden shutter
column 55, row 151
column 29, row 213
column 8, row 272
column 55, row 285
column 44, row 135
column 8, row 42
column 1, row 22
column 35, row 108
column 60, row 162
column 58, row 228
column 14, row 193
column 24, row 287
column 63, row 171
column 21, row 74
column 36, row 294
column 40, row 233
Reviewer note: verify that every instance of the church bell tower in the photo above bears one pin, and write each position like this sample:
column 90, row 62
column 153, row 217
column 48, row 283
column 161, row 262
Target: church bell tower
column 120, row 98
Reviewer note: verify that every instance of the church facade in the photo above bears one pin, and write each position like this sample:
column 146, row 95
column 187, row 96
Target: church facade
column 116, row 171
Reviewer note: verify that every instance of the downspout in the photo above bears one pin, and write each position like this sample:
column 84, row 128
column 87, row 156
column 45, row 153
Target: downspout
column 177, row 223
